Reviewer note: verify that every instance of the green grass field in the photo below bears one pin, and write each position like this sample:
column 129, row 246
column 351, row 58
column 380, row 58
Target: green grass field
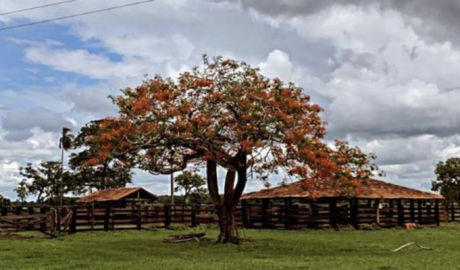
column 270, row 249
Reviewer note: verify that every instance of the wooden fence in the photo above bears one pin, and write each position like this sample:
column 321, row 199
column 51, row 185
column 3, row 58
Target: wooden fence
column 88, row 218
column 13, row 219
column 250, row 215
column 343, row 213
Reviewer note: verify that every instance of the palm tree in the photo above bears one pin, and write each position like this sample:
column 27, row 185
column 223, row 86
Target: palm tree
column 65, row 143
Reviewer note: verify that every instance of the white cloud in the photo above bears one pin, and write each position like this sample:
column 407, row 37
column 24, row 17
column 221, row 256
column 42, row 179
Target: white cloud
column 18, row 122
column 84, row 63
column 9, row 173
column 277, row 65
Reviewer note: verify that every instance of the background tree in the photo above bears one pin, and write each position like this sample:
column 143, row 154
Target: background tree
column 4, row 201
column 228, row 115
column 91, row 172
column 65, row 143
column 21, row 191
column 89, row 178
column 448, row 179
column 44, row 181
column 192, row 184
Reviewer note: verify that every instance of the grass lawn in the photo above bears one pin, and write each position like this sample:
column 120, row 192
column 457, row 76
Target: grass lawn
column 270, row 249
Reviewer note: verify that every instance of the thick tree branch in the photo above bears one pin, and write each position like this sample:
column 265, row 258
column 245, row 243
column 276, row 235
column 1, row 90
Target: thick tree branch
column 211, row 170
column 229, row 185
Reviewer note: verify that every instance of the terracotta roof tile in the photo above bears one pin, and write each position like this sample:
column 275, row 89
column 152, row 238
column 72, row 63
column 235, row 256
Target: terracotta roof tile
column 371, row 189
column 113, row 194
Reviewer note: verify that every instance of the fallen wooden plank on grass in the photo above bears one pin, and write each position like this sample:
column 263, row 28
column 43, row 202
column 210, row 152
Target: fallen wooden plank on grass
column 198, row 237
column 412, row 243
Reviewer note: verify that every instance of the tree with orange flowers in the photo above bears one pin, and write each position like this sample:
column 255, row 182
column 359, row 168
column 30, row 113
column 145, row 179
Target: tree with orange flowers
column 227, row 115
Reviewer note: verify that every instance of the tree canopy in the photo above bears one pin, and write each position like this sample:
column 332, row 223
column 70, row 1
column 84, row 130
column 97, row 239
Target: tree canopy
column 448, row 179
column 91, row 172
column 227, row 114
column 43, row 181
column 4, row 201
column 192, row 184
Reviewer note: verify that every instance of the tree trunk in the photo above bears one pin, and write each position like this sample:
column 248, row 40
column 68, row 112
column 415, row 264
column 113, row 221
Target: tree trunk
column 226, row 206
column 227, row 226
column 61, row 191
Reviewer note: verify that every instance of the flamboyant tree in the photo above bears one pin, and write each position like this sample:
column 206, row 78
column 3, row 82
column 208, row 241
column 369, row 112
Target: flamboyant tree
column 227, row 115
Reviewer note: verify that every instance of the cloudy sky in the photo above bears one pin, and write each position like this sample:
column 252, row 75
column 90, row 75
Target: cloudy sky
column 386, row 72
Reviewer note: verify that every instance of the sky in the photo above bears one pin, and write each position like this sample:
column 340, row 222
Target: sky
column 386, row 72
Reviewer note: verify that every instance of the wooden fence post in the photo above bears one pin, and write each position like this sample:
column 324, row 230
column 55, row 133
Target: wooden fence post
column 377, row 212
column 57, row 219
column 412, row 210
column 311, row 213
column 91, row 213
column 287, row 208
column 139, row 217
column 333, row 212
column 194, row 222
column 73, row 220
column 436, row 212
column 18, row 210
column 390, row 210
column 265, row 213
column 43, row 211
column 452, row 211
column 420, row 216
column 167, row 210
column 4, row 211
column 354, row 212
column 107, row 218
column 244, row 214
column 400, row 213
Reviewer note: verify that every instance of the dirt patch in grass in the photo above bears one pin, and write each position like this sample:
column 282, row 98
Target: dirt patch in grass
column 21, row 235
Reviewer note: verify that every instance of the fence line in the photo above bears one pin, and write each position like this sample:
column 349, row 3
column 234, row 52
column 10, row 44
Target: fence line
column 250, row 215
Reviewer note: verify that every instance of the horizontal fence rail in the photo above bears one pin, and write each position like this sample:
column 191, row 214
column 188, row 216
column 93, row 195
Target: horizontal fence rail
column 261, row 214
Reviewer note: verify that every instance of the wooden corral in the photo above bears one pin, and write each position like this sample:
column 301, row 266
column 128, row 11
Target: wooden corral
column 383, row 204
column 250, row 214
column 15, row 219
column 107, row 218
